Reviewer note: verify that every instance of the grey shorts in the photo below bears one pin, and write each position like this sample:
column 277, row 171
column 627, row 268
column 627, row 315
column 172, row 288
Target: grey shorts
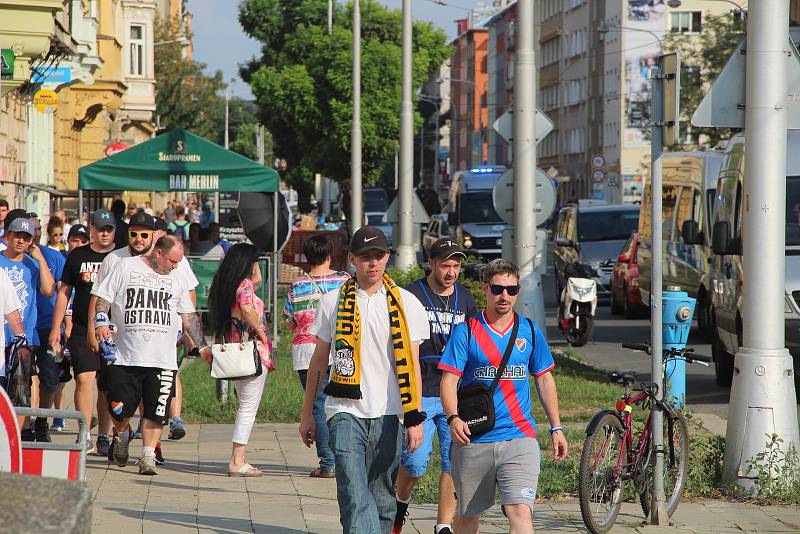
column 478, row 468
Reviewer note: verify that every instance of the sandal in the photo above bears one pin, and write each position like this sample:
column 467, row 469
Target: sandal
column 246, row 471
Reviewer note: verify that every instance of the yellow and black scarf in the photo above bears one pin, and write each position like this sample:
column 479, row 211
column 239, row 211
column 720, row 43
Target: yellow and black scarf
column 346, row 370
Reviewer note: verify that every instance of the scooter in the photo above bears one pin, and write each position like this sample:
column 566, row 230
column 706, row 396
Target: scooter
column 578, row 304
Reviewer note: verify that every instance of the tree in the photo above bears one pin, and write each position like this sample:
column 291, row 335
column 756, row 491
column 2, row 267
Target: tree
column 302, row 82
column 186, row 97
column 243, row 129
column 703, row 58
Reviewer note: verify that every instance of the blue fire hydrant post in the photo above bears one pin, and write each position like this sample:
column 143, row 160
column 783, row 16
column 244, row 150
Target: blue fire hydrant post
column 677, row 320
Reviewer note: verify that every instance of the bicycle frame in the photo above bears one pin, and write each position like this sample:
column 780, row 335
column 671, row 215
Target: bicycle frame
column 625, row 469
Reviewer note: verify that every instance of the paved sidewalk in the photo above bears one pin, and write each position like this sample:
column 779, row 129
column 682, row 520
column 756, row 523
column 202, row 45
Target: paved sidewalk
column 193, row 494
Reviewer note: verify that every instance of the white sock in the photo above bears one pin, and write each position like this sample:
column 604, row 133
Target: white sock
column 148, row 451
column 403, row 501
column 439, row 527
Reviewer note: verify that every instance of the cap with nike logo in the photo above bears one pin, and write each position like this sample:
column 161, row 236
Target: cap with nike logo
column 368, row 238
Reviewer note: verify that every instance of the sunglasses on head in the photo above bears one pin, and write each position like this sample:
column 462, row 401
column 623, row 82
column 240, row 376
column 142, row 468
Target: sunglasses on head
column 497, row 289
column 143, row 235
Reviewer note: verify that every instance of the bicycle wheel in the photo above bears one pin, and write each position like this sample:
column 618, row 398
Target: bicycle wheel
column 676, row 462
column 599, row 485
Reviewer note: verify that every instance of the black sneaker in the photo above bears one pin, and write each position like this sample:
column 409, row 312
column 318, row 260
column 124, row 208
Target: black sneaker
column 159, row 456
column 102, row 445
column 445, row 530
column 27, row 434
column 400, row 517
column 41, row 430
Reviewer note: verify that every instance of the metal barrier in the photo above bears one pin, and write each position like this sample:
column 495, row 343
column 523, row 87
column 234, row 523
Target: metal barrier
column 80, row 447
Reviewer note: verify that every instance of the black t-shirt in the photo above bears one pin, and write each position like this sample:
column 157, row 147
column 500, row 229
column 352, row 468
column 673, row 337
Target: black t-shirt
column 80, row 272
column 440, row 317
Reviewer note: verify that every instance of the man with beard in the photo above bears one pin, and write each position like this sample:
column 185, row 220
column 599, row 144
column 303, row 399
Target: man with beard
column 80, row 273
column 447, row 304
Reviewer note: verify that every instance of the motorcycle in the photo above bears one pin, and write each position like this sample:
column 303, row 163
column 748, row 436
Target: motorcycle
column 578, row 304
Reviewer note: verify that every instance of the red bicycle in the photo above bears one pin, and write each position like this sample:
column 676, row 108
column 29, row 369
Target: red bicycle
column 613, row 453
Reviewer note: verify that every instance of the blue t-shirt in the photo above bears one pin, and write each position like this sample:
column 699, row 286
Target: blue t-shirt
column 24, row 277
column 45, row 305
column 475, row 358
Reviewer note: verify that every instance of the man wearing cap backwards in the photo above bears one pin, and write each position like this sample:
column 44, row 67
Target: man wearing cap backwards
column 80, row 273
column 29, row 276
column 447, row 304
column 373, row 329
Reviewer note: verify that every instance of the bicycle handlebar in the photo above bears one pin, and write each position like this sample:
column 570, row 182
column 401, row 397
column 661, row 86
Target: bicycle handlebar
column 688, row 353
column 644, row 347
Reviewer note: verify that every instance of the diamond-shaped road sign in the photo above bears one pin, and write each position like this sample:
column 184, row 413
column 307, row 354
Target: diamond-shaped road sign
column 504, row 125
column 723, row 106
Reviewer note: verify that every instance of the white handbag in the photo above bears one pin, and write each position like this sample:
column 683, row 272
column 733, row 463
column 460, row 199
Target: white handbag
column 236, row 361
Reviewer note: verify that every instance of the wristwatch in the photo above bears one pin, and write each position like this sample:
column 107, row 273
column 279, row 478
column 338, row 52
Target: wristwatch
column 554, row 429
column 451, row 417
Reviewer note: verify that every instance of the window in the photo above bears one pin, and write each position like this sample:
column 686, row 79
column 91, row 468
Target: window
column 136, row 66
column 685, row 21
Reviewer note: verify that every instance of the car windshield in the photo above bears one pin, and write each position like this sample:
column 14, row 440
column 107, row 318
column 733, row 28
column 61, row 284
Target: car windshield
column 793, row 211
column 606, row 225
column 478, row 207
column 375, row 219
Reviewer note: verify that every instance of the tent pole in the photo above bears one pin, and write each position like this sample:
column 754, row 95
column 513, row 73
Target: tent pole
column 276, row 268
column 80, row 206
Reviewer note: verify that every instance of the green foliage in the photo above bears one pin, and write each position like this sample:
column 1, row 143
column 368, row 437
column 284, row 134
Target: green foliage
column 243, row 130
column 186, row 96
column 778, row 472
column 403, row 278
column 302, row 81
column 710, row 51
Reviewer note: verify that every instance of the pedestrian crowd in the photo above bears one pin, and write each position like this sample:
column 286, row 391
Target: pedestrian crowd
column 385, row 369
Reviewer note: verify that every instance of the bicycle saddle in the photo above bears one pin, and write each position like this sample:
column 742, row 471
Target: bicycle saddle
column 622, row 378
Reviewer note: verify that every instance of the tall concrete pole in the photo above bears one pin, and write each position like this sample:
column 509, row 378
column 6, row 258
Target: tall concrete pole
column 356, row 191
column 763, row 397
column 406, row 255
column 330, row 17
column 530, row 302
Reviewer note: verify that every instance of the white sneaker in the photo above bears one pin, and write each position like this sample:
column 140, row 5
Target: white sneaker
column 147, row 465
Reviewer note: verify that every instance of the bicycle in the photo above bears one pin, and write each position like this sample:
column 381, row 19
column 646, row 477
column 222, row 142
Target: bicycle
column 613, row 455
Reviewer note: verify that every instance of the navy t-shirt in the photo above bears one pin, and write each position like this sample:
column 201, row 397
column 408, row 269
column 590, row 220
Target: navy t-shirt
column 45, row 305
column 443, row 313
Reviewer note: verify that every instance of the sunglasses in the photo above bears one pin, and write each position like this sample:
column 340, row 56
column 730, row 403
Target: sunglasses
column 497, row 289
column 143, row 235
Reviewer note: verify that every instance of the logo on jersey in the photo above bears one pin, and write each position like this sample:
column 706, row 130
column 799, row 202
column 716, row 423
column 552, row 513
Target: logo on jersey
column 512, row 372
column 116, row 407
column 89, row 270
column 528, row 493
column 521, row 344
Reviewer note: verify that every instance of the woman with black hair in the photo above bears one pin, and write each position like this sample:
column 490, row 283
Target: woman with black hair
column 233, row 300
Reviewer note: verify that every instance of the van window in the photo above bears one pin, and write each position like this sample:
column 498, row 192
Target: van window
column 569, row 230
column 669, row 198
column 478, row 207
column 607, row 225
column 793, row 211
column 726, row 196
column 686, row 210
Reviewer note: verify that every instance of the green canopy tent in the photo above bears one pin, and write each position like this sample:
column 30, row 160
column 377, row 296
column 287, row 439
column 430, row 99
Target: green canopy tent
column 181, row 161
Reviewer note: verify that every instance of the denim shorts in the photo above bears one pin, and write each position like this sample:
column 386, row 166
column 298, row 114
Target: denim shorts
column 416, row 463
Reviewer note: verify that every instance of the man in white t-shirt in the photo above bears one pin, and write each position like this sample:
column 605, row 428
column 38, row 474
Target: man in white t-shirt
column 149, row 304
column 365, row 433
column 9, row 308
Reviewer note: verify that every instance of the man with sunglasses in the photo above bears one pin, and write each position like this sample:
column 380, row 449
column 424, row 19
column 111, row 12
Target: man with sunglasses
column 80, row 273
column 447, row 304
column 507, row 457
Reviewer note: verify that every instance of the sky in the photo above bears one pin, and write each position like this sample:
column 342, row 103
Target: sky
column 220, row 43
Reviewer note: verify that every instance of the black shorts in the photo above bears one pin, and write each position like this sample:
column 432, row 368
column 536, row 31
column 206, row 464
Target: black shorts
column 47, row 369
column 83, row 359
column 128, row 386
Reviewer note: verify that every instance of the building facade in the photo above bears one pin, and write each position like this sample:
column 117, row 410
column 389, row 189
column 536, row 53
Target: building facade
column 468, row 93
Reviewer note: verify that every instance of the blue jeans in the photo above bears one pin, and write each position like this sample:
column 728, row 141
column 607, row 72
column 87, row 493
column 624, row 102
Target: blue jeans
column 324, row 453
column 367, row 455
column 416, row 463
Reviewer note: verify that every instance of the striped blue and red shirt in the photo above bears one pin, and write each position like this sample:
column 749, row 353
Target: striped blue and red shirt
column 475, row 358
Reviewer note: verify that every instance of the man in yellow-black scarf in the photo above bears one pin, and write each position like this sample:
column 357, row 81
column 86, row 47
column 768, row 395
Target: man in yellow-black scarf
column 370, row 332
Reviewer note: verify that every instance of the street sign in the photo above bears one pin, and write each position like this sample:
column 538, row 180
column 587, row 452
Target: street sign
column 504, row 125
column 7, row 59
column 724, row 104
column 671, row 75
column 598, row 161
column 418, row 213
column 598, row 175
column 57, row 75
column 45, row 101
column 503, row 197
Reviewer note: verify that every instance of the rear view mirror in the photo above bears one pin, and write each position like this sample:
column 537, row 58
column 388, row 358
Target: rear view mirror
column 690, row 231
column 720, row 238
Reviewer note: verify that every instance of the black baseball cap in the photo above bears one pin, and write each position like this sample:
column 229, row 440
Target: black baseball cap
column 160, row 224
column 78, row 229
column 368, row 238
column 445, row 248
column 103, row 219
column 142, row 219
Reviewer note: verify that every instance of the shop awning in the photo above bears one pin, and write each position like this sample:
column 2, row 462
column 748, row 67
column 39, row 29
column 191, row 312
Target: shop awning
column 178, row 161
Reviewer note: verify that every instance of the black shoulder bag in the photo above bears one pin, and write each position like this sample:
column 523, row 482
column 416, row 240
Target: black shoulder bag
column 475, row 402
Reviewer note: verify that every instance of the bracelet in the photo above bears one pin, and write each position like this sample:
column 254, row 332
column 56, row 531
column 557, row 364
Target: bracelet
column 554, row 429
column 451, row 417
column 101, row 319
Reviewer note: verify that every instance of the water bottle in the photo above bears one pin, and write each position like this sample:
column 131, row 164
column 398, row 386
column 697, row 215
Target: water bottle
column 107, row 347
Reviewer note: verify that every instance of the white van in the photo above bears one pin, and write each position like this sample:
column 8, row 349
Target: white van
column 689, row 184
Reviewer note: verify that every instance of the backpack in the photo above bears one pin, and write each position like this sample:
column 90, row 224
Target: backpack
column 180, row 230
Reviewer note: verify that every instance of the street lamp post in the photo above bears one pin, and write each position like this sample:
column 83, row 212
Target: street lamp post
column 406, row 253
column 356, row 192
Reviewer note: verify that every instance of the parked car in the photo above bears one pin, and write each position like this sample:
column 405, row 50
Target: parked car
column 437, row 229
column 375, row 218
column 592, row 234
column 625, row 295
column 689, row 184
column 727, row 273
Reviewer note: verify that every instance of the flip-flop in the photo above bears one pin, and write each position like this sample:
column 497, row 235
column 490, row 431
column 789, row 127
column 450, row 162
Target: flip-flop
column 246, row 471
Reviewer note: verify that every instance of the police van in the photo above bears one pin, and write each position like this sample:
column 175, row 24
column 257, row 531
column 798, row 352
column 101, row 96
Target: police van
column 473, row 221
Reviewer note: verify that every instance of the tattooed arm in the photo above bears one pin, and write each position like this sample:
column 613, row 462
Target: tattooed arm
column 101, row 332
column 14, row 320
column 193, row 328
